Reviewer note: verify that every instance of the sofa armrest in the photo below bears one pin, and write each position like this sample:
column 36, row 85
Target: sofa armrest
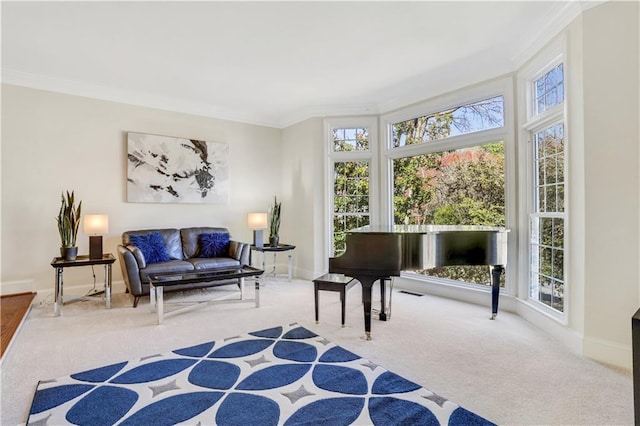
column 130, row 269
column 137, row 254
column 239, row 251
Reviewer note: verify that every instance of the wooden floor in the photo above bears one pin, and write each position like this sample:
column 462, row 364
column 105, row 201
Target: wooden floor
column 13, row 308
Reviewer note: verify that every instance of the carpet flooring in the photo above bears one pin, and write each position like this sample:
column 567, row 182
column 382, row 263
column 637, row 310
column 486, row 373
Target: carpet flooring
column 505, row 370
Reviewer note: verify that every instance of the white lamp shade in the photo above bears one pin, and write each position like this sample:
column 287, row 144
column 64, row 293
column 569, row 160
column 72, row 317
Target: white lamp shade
column 257, row 220
column 96, row 224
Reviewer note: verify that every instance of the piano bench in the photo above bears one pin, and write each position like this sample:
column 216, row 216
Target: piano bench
column 333, row 282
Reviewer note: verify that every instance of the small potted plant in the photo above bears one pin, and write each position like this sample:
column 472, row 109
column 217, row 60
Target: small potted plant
column 274, row 223
column 68, row 224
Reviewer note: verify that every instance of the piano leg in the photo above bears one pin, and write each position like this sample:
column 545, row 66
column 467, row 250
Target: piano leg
column 367, row 283
column 496, row 272
column 383, row 297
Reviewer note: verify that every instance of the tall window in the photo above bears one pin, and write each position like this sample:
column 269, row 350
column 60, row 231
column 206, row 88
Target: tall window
column 350, row 158
column 547, row 220
column 448, row 168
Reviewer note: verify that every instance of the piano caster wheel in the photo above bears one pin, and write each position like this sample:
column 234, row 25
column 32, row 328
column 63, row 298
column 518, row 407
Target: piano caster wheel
column 368, row 333
column 493, row 316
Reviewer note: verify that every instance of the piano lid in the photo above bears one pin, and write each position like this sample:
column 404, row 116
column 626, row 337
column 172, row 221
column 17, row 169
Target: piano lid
column 425, row 229
column 396, row 248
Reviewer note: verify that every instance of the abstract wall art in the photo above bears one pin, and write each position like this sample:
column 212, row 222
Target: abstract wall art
column 164, row 169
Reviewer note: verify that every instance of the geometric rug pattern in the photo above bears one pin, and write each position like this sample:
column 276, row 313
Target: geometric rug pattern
column 285, row 375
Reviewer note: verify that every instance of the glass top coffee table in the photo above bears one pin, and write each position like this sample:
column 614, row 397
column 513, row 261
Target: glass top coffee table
column 157, row 283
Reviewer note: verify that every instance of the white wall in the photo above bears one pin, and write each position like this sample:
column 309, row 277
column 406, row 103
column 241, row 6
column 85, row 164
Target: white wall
column 303, row 192
column 611, row 145
column 53, row 142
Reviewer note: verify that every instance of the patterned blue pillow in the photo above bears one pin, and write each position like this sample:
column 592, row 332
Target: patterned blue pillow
column 215, row 244
column 152, row 247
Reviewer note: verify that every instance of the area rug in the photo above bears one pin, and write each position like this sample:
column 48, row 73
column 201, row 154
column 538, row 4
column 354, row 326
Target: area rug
column 285, row 375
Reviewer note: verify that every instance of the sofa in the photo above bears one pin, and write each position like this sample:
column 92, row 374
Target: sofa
column 151, row 251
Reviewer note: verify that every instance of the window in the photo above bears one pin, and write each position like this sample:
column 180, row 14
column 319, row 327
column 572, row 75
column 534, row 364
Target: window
column 474, row 117
column 547, row 222
column 464, row 186
column 448, row 168
column 351, row 199
column 350, row 175
column 549, row 90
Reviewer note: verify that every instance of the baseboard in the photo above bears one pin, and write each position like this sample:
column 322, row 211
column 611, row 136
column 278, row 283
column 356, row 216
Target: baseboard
column 570, row 338
column 15, row 287
column 477, row 296
column 604, row 351
column 609, row 352
column 47, row 295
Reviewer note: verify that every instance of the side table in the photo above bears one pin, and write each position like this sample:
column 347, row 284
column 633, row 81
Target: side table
column 275, row 250
column 59, row 263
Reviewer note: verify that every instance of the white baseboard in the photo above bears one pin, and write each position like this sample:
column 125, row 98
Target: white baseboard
column 570, row 338
column 604, row 351
column 47, row 295
column 477, row 296
column 15, row 287
column 609, row 352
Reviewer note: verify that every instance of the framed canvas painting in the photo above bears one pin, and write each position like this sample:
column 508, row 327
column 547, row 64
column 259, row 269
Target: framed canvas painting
column 165, row 169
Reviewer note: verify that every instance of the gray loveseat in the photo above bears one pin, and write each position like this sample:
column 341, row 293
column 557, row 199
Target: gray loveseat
column 185, row 249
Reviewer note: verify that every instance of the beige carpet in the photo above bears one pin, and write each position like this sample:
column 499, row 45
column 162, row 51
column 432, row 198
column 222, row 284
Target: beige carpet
column 504, row 370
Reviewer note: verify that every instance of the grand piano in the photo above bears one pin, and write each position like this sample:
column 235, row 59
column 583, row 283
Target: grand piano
column 379, row 253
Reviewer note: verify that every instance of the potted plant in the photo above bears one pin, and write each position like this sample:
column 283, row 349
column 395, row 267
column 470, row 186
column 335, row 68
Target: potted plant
column 68, row 223
column 274, row 223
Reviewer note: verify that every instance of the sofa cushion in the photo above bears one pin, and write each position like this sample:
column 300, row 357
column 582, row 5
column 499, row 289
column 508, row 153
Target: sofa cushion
column 171, row 238
column 215, row 244
column 213, row 262
column 152, row 246
column 189, row 238
column 162, row 267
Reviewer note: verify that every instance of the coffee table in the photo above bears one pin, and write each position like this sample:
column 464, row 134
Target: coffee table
column 157, row 283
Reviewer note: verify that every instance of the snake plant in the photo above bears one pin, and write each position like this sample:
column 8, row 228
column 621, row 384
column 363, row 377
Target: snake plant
column 69, row 220
column 274, row 216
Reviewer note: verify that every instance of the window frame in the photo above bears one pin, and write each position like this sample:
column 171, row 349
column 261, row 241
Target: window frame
column 503, row 86
column 546, row 60
column 332, row 157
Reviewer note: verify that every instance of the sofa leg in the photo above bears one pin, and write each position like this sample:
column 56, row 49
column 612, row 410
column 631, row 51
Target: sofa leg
column 136, row 299
column 126, row 290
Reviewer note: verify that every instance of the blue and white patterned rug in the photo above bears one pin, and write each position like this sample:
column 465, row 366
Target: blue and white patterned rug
column 282, row 375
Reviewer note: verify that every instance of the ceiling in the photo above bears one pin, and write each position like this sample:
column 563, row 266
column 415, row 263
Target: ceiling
column 270, row 63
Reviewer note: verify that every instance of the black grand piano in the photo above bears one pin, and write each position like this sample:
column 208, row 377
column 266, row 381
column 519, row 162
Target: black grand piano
column 379, row 253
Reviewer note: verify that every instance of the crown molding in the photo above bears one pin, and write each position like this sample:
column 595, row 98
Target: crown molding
column 559, row 17
column 483, row 66
column 132, row 97
column 301, row 114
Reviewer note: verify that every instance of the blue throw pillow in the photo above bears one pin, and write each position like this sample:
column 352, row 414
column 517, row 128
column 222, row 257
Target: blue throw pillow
column 152, row 247
column 215, row 244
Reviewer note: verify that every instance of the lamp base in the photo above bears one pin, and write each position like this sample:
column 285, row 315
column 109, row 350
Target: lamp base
column 258, row 239
column 95, row 247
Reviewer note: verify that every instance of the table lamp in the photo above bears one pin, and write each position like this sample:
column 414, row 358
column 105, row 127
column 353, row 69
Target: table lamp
column 257, row 222
column 96, row 225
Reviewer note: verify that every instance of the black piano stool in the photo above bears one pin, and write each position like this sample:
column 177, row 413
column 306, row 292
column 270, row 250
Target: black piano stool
column 333, row 282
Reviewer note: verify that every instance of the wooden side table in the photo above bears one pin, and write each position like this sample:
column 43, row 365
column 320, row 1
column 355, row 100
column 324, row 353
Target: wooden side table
column 275, row 250
column 59, row 263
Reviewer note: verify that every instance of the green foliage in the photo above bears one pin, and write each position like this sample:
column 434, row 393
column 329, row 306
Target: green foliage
column 274, row 218
column 68, row 220
column 457, row 187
